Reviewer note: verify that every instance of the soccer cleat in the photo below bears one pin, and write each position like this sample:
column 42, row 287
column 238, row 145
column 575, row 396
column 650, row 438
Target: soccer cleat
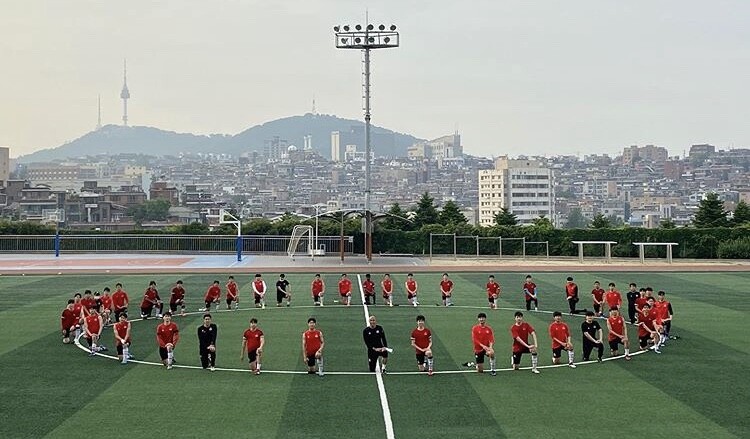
column 257, row 371
column 288, row 304
column 599, row 360
column 535, row 370
column 212, row 368
column 158, row 316
column 493, row 373
column 537, row 309
column 321, row 374
column 202, row 309
column 657, row 351
column 627, row 357
column 571, row 365
column 469, row 364
column 429, row 372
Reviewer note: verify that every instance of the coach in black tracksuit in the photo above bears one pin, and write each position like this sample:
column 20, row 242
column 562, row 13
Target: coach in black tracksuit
column 631, row 295
column 592, row 337
column 207, row 342
column 377, row 345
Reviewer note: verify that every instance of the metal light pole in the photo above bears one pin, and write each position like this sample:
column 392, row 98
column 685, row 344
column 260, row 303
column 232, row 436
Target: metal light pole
column 366, row 38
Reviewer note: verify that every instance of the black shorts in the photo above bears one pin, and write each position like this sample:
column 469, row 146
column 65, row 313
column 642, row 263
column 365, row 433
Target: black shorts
column 230, row 300
column 119, row 349
column 420, row 357
column 491, row 299
column 280, row 296
column 376, row 354
column 119, row 311
column 147, row 310
column 517, row 355
column 311, row 360
column 173, row 306
column 66, row 333
column 613, row 344
column 445, row 296
column 479, row 356
column 252, row 356
column 163, row 354
column 557, row 352
column 644, row 340
column 597, row 307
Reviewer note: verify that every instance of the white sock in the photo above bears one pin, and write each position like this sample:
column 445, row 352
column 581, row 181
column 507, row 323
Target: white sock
column 125, row 353
column 627, row 351
column 492, row 364
column 571, row 355
column 429, row 363
column 257, row 365
column 534, row 360
column 170, row 358
column 319, row 361
column 78, row 332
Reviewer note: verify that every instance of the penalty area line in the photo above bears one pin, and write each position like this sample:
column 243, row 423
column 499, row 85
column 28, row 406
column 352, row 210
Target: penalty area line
column 378, row 374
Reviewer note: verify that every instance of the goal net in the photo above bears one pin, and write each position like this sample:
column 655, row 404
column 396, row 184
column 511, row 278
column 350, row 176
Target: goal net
column 298, row 233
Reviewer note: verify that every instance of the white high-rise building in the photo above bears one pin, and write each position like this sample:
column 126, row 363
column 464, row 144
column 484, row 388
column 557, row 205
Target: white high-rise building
column 525, row 187
column 4, row 165
column 336, row 146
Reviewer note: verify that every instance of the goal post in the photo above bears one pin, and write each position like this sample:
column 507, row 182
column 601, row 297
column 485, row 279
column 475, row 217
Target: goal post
column 298, row 233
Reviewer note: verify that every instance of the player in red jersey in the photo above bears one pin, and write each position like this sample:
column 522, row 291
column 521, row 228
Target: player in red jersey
column 312, row 347
column 259, row 291
column 571, row 294
column 493, row 291
column 421, row 341
column 233, row 293
column 167, row 336
column 150, row 301
column 520, row 331
column 88, row 302
column 597, row 296
column 647, row 329
column 613, row 297
column 665, row 313
column 641, row 300
column 617, row 333
column 559, row 332
column 446, row 290
column 78, row 308
column 386, row 285
column 106, row 308
column 213, row 295
column 483, row 338
column 530, row 293
column 177, row 298
column 368, row 287
column 252, row 343
column 69, row 322
column 122, row 338
column 120, row 301
column 345, row 290
column 317, row 289
column 411, row 288
column 92, row 325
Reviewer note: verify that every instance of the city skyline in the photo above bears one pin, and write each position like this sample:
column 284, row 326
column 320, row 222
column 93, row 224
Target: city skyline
column 565, row 79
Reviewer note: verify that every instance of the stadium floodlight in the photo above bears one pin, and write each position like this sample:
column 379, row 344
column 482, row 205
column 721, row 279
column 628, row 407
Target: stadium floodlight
column 367, row 40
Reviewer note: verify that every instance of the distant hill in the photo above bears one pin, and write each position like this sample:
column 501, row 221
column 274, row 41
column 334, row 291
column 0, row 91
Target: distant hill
column 149, row 140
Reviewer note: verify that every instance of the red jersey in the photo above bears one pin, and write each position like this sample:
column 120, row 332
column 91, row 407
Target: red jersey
column 316, row 287
column 446, row 286
column 252, row 338
column 482, row 335
column 559, row 331
column 178, row 294
column 618, row 325
column 93, row 323
column 167, row 333
column 662, row 309
column 369, row 287
column 493, row 289
column 150, row 297
column 529, row 290
column 422, row 337
column 613, row 298
column 571, row 290
column 232, row 290
column 521, row 331
column 259, row 287
column 387, row 286
column 411, row 287
column 106, row 301
column 88, row 302
column 68, row 319
column 345, row 286
column 313, row 341
column 120, row 299
column 646, row 321
column 639, row 302
column 77, row 309
column 121, row 330
column 213, row 293
column 598, row 294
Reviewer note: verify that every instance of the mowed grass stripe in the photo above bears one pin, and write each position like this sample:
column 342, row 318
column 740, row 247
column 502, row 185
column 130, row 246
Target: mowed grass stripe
column 726, row 291
column 17, row 292
column 717, row 389
column 43, row 386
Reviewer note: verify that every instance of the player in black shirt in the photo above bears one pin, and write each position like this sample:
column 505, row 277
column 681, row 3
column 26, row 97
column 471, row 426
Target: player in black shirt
column 631, row 295
column 377, row 345
column 283, row 291
column 207, row 342
column 592, row 337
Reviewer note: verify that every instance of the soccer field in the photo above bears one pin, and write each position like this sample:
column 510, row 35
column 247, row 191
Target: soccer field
column 698, row 386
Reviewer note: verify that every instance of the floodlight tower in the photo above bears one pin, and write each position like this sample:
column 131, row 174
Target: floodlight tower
column 366, row 38
column 125, row 94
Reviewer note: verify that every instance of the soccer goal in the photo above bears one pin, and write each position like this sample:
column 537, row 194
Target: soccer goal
column 298, row 233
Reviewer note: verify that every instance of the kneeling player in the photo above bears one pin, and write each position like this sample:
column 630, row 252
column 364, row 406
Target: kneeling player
column 259, row 291
column 213, row 295
column 252, row 343
column 317, row 289
column 150, row 301
column 483, row 338
column 345, row 290
column 387, row 286
column 520, row 331
column 167, row 335
column 618, row 333
column 368, row 288
column 283, row 291
column 411, row 289
column 92, row 331
column 122, row 338
column 177, row 298
column 493, row 292
column 647, row 330
column 233, row 294
column 559, row 332
column 69, row 322
column 421, row 341
column 312, row 347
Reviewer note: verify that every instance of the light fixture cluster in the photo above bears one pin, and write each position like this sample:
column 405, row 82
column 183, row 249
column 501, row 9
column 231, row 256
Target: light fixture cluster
column 365, row 36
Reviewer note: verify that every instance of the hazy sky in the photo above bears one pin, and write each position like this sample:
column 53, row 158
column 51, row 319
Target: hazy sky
column 534, row 77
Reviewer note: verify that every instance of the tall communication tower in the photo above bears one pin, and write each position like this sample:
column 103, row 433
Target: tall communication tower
column 125, row 94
